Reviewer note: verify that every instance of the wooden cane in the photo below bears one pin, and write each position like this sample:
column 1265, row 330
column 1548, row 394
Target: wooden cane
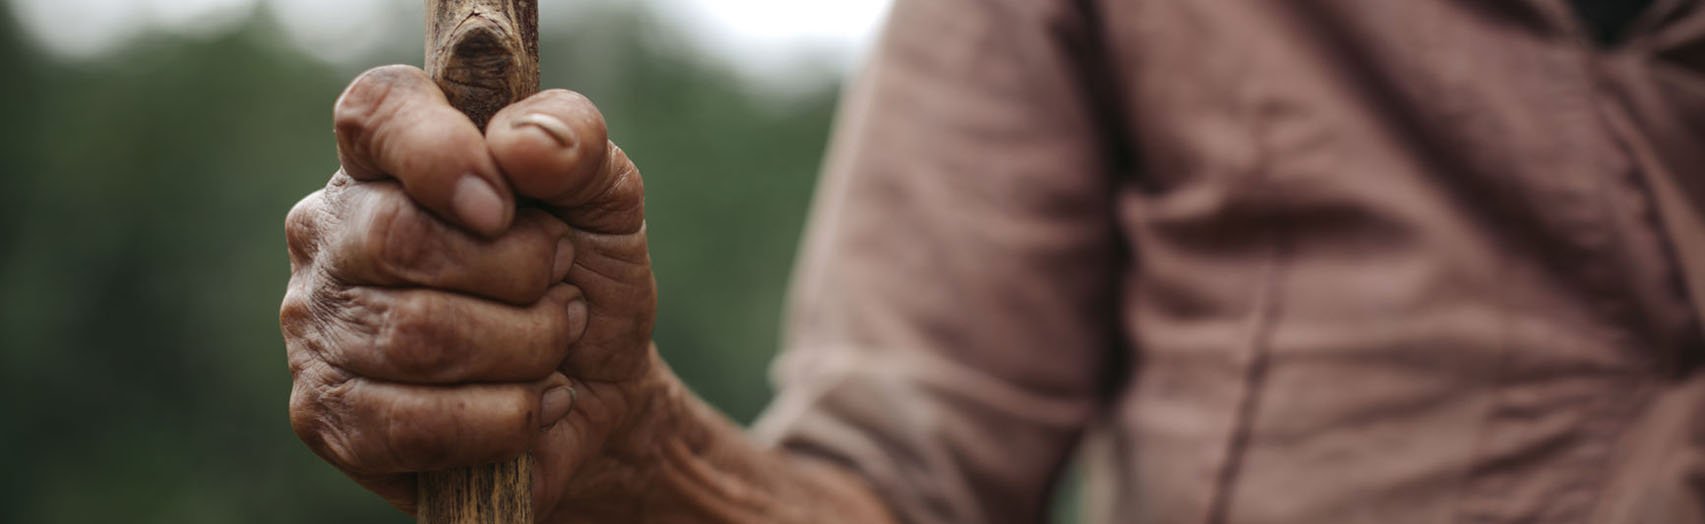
column 484, row 54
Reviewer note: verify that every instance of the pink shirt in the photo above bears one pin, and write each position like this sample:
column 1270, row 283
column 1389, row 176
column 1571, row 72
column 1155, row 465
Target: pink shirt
column 1263, row 262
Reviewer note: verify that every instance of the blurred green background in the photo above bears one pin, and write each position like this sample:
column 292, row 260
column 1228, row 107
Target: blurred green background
column 142, row 255
column 142, row 192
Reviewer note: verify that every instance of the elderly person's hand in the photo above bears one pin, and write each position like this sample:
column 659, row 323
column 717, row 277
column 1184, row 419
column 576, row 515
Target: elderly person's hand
column 459, row 297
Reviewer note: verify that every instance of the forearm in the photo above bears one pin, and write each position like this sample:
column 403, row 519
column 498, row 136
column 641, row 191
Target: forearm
column 715, row 473
column 698, row 466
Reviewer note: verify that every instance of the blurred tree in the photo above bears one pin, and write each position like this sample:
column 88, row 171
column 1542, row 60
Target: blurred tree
column 142, row 260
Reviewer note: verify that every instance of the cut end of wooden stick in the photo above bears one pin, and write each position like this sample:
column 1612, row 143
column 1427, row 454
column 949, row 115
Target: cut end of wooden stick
column 483, row 53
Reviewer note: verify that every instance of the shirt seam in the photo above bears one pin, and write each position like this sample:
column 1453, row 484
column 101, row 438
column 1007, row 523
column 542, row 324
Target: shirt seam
column 1267, row 308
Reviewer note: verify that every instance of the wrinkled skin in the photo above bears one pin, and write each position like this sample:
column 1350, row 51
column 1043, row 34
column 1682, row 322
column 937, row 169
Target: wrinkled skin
column 459, row 298
column 434, row 323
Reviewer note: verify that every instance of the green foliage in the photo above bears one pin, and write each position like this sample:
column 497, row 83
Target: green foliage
column 142, row 256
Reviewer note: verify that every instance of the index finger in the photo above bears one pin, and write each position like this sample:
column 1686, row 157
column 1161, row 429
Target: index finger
column 394, row 121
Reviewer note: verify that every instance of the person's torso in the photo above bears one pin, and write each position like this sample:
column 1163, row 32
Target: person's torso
column 1402, row 262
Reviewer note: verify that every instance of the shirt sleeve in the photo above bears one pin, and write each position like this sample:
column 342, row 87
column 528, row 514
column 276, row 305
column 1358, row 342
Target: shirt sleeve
column 951, row 326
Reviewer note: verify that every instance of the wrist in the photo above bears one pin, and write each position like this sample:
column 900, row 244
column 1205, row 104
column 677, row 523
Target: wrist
column 676, row 459
column 619, row 474
column 660, row 406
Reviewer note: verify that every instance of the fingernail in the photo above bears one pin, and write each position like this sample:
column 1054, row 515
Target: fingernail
column 552, row 126
column 564, row 258
column 554, row 405
column 477, row 204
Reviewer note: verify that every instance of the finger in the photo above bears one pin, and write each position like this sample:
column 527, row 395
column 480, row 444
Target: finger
column 556, row 461
column 371, row 428
column 419, row 336
column 401, row 489
column 302, row 230
column 554, row 147
column 394, row 121
column 571, row 441
column 386, row 240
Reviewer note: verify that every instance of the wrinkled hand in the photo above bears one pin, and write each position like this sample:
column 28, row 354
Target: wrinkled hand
column 449, row 288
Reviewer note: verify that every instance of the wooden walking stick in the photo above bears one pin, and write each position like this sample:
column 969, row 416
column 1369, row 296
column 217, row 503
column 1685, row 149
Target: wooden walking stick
column 484, row 54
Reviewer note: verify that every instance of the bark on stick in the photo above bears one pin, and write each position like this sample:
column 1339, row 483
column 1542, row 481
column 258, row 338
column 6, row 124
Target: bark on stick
column 484, row 54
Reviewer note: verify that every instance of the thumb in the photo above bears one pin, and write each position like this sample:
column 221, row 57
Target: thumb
column 554, row 147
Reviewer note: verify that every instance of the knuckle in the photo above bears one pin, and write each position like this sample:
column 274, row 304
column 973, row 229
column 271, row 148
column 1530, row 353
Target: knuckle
column 302, row 219
column 297, row 307
column 354, row 111
column 369, row 100
column 296, row 318
column 413, row 340
column 305, row 415
column 403, row 242
column 310, row 320
column 310, row 426
column 302, row 228
column 319, row 415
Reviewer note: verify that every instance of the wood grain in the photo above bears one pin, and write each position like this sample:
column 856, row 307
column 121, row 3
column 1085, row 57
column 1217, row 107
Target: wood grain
column 498, row 493
column 484, row 54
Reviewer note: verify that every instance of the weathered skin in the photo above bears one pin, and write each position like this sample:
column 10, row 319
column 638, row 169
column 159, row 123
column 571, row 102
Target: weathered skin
column 432, row 323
